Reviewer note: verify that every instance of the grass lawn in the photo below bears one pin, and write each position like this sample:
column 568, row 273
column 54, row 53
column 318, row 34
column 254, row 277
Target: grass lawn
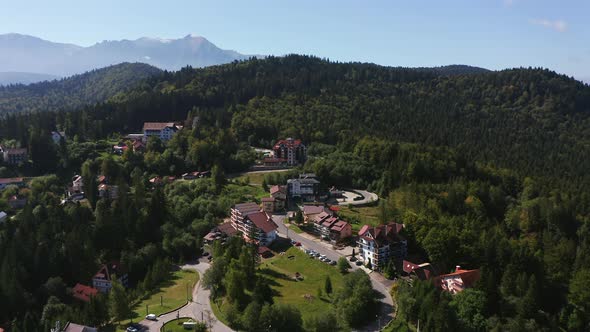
column 359, row 216
column 173, row 293
column 245, row 192
column 281, row 268
column 175, row 325
column 255, row 178
column 295, row 228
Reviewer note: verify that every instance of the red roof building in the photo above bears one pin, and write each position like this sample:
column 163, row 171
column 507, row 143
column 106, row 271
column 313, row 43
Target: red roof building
column 422, row 271
column 254, row 225
column 457, row 281
column 83, row 292
column 293, row 150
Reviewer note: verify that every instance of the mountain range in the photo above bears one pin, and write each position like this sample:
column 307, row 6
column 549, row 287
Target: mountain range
column 27, row 59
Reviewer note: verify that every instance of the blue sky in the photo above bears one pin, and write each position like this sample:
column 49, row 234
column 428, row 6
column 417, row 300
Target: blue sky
column 494, row 34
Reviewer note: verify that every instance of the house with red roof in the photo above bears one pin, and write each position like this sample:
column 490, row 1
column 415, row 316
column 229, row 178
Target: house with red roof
column 83, row 292
column 422, row 271
column 457, row 281
column 103, row 279
column 379, row 244
column 292, row 150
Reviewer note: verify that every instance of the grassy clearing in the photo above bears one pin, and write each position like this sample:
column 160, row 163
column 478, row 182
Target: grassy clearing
column 172, row 292
column 359, row 216
column 255, row 178
column 295, row 228
column 246, row 192
column 280, row 271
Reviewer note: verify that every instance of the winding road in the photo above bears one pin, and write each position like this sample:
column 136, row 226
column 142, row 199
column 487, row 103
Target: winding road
column 199, row 308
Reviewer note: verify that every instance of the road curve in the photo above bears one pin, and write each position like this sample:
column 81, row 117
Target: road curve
column 199, row 308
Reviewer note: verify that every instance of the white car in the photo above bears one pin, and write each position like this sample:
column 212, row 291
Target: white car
column 151, row 317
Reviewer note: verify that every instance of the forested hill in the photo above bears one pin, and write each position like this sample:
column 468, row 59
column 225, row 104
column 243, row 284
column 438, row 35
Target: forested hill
column 531, row 120
column 76, row 91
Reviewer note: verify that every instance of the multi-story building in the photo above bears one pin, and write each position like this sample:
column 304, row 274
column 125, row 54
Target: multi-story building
column 14, row 156
column 5, row 182
column 103, row 279
column 306, row 187
column 254, row 225
column 330, row 227
column 291, row 150
column 379, row 244
column 163, row 130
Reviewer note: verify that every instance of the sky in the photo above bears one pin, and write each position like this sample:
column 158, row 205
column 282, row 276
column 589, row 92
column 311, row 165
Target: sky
column 493, row 34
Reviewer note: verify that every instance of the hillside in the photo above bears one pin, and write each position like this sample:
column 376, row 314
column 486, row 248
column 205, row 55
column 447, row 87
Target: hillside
column 23, row 53
column 76, row 91
column 531, row 120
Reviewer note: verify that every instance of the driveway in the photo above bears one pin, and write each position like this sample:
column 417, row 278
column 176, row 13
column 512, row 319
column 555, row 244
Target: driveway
column 380, row 284
column 198, row 309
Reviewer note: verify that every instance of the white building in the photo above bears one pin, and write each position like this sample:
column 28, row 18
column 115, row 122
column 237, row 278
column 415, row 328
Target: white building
column 255, row 225
column 163, row 130
column 306, row 187
column 377, row 245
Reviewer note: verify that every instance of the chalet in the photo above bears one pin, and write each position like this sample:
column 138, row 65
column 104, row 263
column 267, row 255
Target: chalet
column 310, row 212
column 57, row 136
column 269, row 204
column 102, row 280
column 14, row 156
column 163, row 130
column 379, row 244
column 422, row 271
column 196, row 175
column 330, row 227
column 457, row 281
column 306, row 187
column 5, row 182
column 254, row 225
column 77, row 186
column 292, row 150
column 138, row 146
column 279, row 192
column 220, row 232
column 83, row 292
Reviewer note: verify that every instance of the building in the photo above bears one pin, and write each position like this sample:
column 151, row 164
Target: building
column 292, row 150
column 196, row 175
column 330, row 227
column 5, row 182
column 422, row 271
column 269, row 204
column 3, row 217
column 310, row 212
column 138, row 146
column 102, row 280
column 378, row 244
column 14, row 156
column 120, row 148
column 71, row 327
column 77, row 186
column 306, row 187
column 163, row 130
column 457, row 281
column 220, row 232
column 83, row 292
column 57, row 136
column 254, row 225
column 108, row 191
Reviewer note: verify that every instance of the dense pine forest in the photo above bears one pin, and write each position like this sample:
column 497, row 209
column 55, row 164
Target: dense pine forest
column 486, row 169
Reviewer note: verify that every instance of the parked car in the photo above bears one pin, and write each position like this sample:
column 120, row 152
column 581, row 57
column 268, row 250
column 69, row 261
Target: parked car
column 332, row 262
column 298, row 244
column 151, row 317
column 359, row 263
column 133, row 328
column 205, row 254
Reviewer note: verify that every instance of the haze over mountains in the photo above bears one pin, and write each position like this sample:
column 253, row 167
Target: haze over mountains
column 27, row 59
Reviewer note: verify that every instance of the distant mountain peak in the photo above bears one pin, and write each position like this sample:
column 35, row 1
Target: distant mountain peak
column 29, row 54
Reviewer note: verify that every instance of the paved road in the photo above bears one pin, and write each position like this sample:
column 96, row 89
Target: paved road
column 199, row 308
column 380, row 284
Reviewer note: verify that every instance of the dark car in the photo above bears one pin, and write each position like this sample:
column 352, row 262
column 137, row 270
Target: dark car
column 359, row 263
column 205, row 254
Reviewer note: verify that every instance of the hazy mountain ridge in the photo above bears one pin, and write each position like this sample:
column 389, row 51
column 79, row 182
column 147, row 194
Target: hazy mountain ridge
column 28, row 54
column 74, row 92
